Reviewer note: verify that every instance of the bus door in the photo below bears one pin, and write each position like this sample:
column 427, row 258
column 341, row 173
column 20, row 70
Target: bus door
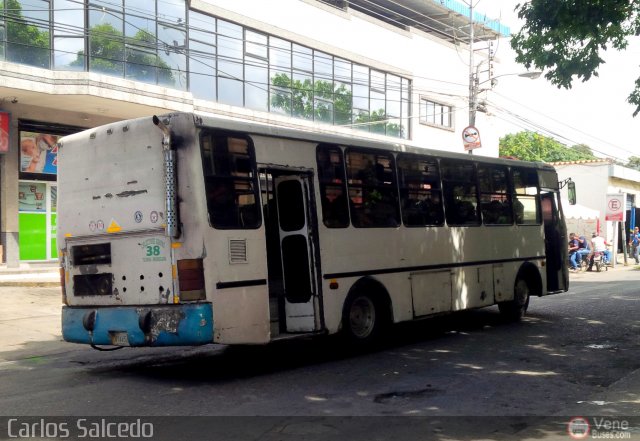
column 297, row 245
column 555, row 242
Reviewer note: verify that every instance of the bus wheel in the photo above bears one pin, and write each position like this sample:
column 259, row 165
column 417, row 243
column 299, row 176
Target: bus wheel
column 514, row 310
column 362, row 319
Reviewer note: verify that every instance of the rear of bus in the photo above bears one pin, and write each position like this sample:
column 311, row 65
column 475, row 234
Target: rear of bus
column 117, row 230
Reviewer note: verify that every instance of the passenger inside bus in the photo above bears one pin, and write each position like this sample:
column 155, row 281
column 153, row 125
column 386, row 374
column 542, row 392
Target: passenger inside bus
column 221, row 202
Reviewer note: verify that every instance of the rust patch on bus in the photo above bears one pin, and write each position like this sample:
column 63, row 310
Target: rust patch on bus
column 126, row 194
column 154, row 321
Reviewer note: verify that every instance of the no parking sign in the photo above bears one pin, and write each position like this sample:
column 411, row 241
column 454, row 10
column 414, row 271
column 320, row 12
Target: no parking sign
column 471, row 138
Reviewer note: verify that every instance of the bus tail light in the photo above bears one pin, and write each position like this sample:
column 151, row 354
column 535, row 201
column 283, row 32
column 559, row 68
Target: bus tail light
column 191, row 279
column 63, row 287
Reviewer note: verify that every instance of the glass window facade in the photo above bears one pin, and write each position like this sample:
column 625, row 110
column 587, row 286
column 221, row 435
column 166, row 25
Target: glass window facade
column 163, row 42
column 436, row 114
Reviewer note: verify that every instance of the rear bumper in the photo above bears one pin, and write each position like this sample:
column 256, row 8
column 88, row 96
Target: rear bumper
column 162, row 325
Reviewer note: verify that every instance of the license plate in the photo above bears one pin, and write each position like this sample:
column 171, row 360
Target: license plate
column 119, row 338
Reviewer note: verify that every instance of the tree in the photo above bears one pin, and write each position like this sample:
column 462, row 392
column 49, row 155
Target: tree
column 567, row 37
column 107, row 52
column 27, row 44
column 634, row 162
column 530, row 146
column 584, row 150
column 317, row 101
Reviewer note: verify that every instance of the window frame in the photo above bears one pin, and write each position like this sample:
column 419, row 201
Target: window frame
column 423, row 115
column 324, row 183
column 252, row 179
column 402, row 188
column 446, row 184
column 508, row 194
column 536, row 197
column 392, row 189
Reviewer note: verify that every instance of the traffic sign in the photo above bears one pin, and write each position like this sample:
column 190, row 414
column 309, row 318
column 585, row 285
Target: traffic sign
column 615, row 207
column 471, row 138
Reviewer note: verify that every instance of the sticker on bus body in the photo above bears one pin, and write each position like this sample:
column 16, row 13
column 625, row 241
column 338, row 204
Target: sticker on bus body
column 153, row 250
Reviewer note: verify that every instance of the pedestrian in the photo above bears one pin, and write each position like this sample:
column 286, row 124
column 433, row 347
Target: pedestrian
column 634, row 242
column 599, row 246
column 573, row 251
column 584, row 249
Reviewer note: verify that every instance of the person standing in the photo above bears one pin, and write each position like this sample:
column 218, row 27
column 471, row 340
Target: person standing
column 634, row 242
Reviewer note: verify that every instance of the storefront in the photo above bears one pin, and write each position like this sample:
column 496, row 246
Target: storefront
column 37, row 220
column 37, row 189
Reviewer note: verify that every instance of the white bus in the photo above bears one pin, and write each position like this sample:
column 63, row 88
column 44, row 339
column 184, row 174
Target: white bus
column 186, row 230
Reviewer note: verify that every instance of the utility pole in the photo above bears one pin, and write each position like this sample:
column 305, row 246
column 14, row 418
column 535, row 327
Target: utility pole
column 472, row 77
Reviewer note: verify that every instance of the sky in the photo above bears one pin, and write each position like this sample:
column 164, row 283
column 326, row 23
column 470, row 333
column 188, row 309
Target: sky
column 594, row 113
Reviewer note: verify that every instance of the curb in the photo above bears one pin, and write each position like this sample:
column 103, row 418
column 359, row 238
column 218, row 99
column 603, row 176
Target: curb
column 30, row 284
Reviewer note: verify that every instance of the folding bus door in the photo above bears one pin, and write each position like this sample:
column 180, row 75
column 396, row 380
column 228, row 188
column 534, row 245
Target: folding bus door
column 298, row 261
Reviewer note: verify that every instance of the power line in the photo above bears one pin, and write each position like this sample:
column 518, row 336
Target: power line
column 197, row 57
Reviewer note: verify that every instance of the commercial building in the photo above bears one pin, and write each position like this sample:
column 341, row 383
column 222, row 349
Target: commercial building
column 385, row 69
column 595, row 179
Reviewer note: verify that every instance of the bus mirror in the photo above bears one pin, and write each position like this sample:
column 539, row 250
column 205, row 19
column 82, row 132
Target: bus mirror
column 571, row 189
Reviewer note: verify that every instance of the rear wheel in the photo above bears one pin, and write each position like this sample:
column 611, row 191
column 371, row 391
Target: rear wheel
column 363, row 319
column 515, row 309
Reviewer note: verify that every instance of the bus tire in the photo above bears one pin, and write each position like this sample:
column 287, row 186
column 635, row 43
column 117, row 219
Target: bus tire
column 514, row 310
column 364, row 318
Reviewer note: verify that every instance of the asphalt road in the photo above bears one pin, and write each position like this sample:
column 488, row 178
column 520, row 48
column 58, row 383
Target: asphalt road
column 575, row 354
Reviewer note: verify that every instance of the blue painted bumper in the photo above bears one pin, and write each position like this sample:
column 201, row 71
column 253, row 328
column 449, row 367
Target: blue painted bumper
column 158, row 325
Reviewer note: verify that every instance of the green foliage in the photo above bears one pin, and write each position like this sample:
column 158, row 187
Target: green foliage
column 297, row 98
column 107, row 52
column 28, row 44
column 634, row 162
column 530, row 146
column 566, row 37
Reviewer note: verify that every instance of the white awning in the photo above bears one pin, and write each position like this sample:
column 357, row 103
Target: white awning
column 579, row 211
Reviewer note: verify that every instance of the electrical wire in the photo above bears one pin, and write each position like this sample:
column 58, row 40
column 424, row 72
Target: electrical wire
column 308, row 55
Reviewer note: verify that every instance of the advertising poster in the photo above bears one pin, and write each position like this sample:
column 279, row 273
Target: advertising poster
column 38, row 153
column 4, row 132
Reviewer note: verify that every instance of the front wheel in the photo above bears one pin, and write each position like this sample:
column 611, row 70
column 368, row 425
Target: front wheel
column 363, row 319
column 515, row 309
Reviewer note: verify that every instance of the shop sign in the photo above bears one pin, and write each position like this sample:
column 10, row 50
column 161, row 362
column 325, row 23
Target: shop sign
column 4, row 132
column 38, row 153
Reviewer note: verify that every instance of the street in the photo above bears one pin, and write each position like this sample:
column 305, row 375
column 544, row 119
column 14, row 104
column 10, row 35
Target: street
column 575, row 354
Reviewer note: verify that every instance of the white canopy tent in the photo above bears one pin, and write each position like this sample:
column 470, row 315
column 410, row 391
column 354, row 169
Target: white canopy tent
column 578, row 211
column 580, row 219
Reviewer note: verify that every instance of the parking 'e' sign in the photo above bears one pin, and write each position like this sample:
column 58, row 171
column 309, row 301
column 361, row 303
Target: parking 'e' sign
column 615, row 207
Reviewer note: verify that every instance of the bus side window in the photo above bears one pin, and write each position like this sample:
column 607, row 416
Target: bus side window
column 230, row 181
column 495, row 197
column 420, row 194
column 525, row 197
column 333, row 190
column 459, row 187
column 373, row 196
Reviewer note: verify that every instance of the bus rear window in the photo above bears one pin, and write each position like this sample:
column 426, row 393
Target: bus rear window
column 230, row 181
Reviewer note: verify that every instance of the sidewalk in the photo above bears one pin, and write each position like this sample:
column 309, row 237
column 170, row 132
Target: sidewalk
column 45, row 274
